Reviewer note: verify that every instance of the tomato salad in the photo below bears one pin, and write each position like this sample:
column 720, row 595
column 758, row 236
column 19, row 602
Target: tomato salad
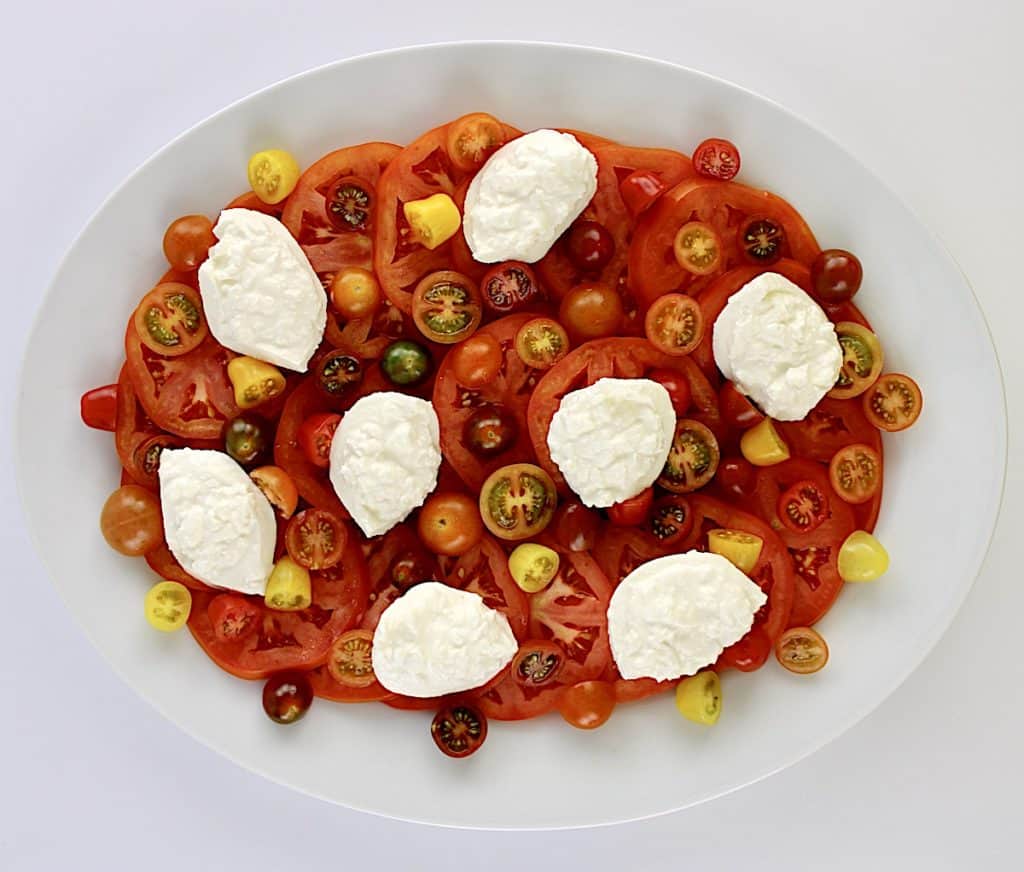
column 632, row 289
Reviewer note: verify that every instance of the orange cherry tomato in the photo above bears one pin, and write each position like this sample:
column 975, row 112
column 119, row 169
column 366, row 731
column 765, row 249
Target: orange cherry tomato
column 131, row 521
column 588, row 705
column 449, row 523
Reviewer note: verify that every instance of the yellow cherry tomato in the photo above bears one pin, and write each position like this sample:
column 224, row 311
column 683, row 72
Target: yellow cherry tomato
column 168, row 604
column 699, row 698
column 762, row 445
column 289, row 588
column 434, row 220
column 739, row 548
column 273, row 174
column 355, row 292
column 254, row 381
column 533, row 566
column 862, row 557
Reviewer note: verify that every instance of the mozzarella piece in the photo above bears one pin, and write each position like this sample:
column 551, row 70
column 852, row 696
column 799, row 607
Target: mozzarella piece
column 217, row 523
column 673, row 616
column 260, row 295
column 384, row 459
column 526, row 196
column 778, row 347
column 436, row 640
column 611, row 440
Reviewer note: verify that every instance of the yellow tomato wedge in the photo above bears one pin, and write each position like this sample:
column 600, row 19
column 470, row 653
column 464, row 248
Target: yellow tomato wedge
column 273, row 174
column 862, row 557
column 289, row 588
column 434, row 220
column 762, row 445
column 740, row 549
column 254, row 381
column 699, row 698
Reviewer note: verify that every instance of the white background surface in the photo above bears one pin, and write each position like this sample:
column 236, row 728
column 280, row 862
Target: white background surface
column 926, row 93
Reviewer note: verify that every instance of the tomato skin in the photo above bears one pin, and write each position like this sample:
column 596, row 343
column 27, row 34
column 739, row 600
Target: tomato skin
column 131, row 521
column 575, row 526
column 315, row 437
column 737, row 410
column 590, row 246
column 717, row 159
column 449, row 523
column 287, row 697
column 678, row 388
column 476, row 361
column 99, row 408
column 634, row 511
column 588, row 705
column 279, row 489
column 836, row 276
column 591, row 311
column 233, row 617
column 737, row 476
column 751, row 652
column 187, row 242
column 640, row 189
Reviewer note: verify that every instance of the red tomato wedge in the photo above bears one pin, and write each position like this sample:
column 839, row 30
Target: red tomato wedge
column 725, row 206
column 618, row 357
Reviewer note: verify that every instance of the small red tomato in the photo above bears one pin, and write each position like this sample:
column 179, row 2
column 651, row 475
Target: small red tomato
column 287, row 697
column 717, row 159
column 750, row 653
column 590, row 246
column 99, row 408
column 736, row 409
column 634, row 511
column 736, row 474
column 836, row 276
column 677, row 386
column 639, row 190
column 315, row 436
column 575, row 526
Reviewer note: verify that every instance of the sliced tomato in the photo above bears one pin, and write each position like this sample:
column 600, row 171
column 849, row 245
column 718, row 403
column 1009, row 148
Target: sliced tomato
column 98, row 408
column 893, row 403
column 290, row 640
column 483, row 570
column 421, row 169
column 856, row 473
column 674, row 324
column 724, row 206
column 618, row 357
column 396, row 561
column 166, row 565
column 316, row 539
column 191, row 395
column 620, row 550
column 170, row 319
column 615, row 163
column 570, row 613
column 815, row 553
column 510, row 391
column 803, row 507
column 326, row 687
column 249, row 200
column 310, row 212
column 829, row 427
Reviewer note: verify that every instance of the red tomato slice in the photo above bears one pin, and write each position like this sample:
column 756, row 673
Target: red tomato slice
column 618, row 357
column 614, row 164
column 396, row 561
column 419, row 170
column 328, row 246
column 511, row 389
column 571, row 613
column 325, row 687
column 815, row 553
column 249, row 200
column 166, row 565
column 829, row 426
column 291, row 640
column 483, row 570
column 725, row 206
column 620, row 550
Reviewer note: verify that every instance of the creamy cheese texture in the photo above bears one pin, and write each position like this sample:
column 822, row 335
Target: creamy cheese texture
column 526, row 196
column 777, row 346
column 218, row 524
column 436, row 640
column 260, row 295
column 611, row 440
column 384, row 459
column 673, row 616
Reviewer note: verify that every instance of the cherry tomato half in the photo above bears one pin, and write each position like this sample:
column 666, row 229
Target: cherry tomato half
column 801, row 650
column 351, row 659
column 678, row 387
column 537, row 663
column 99, row 408
column 698, row 248
column 716, row 159
column 476, row 361
column 446, row 307
column 350, row 203
column 459, row 730
column 233, row 617
column 541, row 343
column 692, row 459
column 588, row 705
column 449, row 523
column 803, row 507
column 674, row 324
column 762, row 240
column 315, row 436
column 337, row 373
column 279, row 489
column 187, row 242
column 472, row 139
column 510, row 286
column 862, row 360
column 315, row 539
column 591, row 311
column 836, row 276
column 856, row 473
column 671, row 520
column 634, row 511
column 639, row 190
column 490, row 430
column 517, row 501
column 170, row 319
column 893, row 402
